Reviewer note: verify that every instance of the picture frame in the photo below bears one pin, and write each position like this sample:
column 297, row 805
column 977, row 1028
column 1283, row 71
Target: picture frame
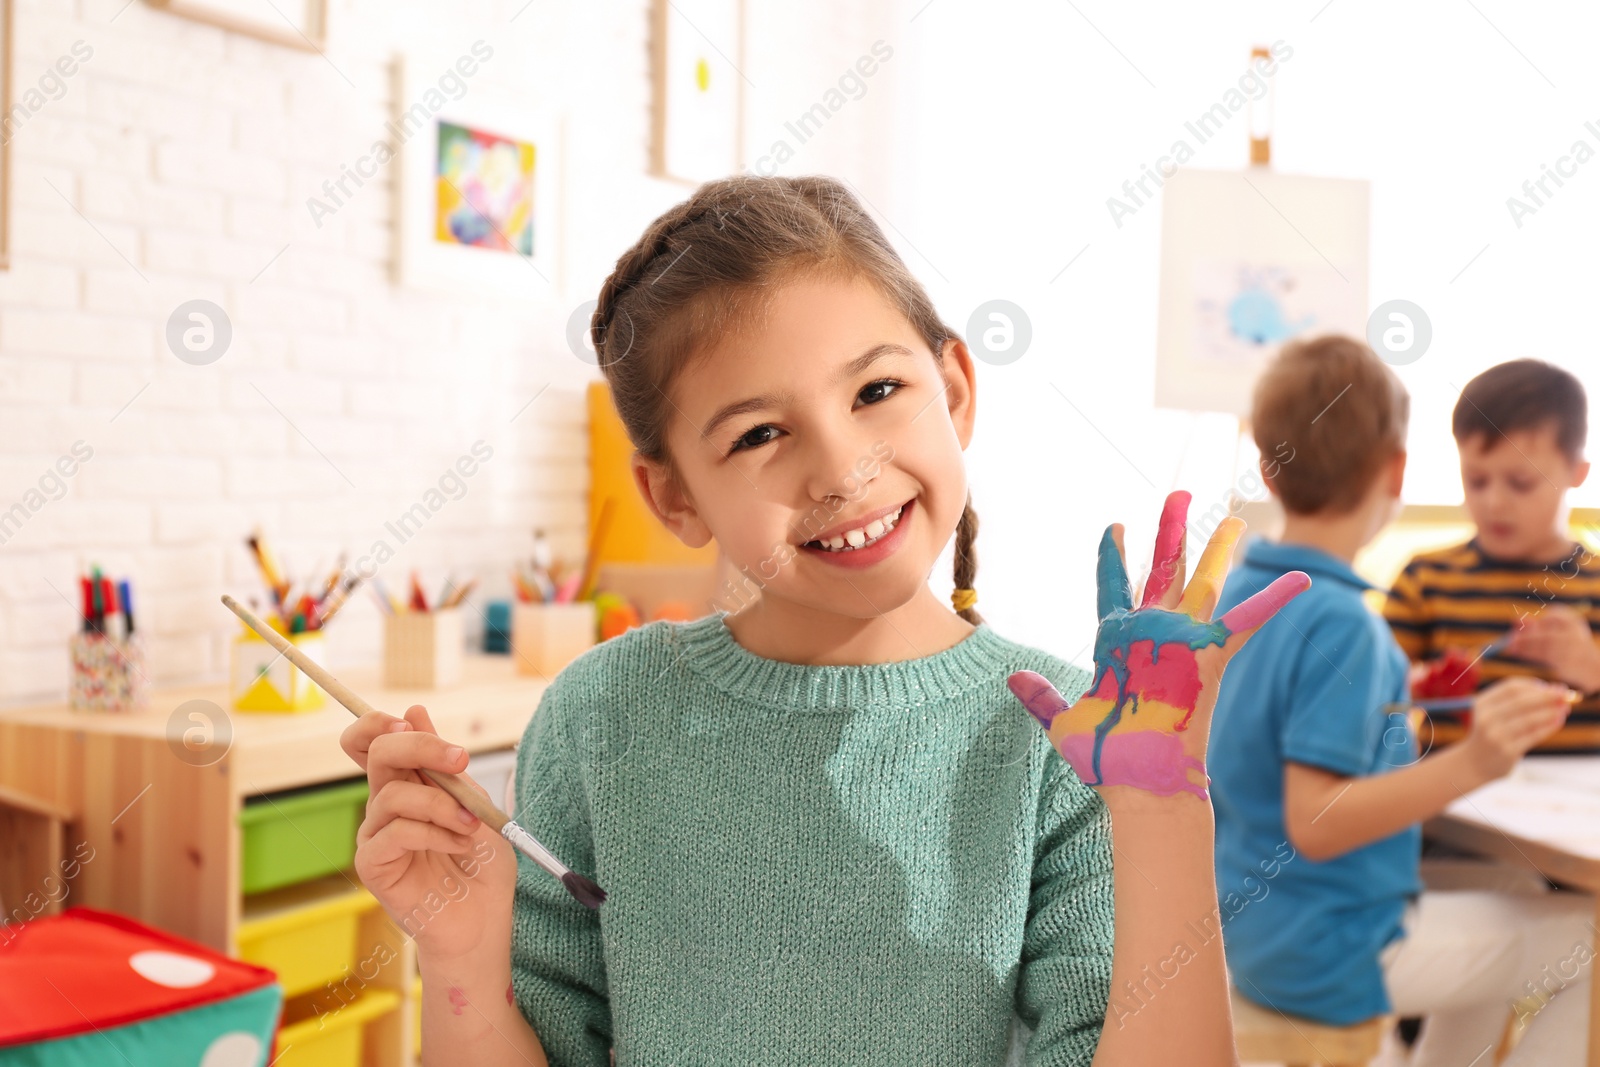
column 301, row 24
column 697, row 97
column 477, row 181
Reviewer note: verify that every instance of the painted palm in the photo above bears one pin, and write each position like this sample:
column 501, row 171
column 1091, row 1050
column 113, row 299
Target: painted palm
column 1145, row 719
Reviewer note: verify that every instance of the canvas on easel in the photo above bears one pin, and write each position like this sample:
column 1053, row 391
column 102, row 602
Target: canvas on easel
column 1251, row 259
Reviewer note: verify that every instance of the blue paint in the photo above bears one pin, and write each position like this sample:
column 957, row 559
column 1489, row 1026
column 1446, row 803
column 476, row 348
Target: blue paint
column 1111, row 579
column 1256, row 316
column 1118, row 633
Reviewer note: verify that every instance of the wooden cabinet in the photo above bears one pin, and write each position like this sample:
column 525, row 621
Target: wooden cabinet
column 150, row 802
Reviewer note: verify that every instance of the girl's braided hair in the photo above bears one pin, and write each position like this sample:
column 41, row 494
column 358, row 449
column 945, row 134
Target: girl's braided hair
column 710, row 263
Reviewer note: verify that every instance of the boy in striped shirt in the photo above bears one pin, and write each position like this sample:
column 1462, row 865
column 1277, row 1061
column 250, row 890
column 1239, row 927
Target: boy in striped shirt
column 1520, row 428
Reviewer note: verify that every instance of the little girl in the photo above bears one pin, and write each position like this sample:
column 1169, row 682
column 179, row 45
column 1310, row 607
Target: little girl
column 827, row 831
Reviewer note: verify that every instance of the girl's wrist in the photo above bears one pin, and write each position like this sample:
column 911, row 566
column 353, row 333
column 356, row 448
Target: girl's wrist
column 1131, row 803
column 493, row 950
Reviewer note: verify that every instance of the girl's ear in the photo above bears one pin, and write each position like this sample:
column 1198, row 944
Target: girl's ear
column 961, row 388
column 668, row 502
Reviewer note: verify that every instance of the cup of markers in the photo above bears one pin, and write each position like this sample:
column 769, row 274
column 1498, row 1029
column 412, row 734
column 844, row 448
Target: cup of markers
column 554, row 621
column 260, row 679
column 423, row 641
column 107, row 653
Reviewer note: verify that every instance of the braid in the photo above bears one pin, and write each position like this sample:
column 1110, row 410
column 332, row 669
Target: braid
column 966, row 560
column 629, row 270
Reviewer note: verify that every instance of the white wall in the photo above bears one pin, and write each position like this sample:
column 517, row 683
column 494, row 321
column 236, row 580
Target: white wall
column 176, row 165
column 1029, row 116
column 988, row 143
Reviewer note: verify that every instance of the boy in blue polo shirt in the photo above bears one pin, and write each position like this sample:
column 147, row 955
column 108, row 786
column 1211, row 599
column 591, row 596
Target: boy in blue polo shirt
column 1318, row 790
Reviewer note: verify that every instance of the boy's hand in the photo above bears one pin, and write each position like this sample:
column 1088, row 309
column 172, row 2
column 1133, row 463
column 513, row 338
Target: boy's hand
column 1559, row 638
column 1512, row 716
column 442, row 875
column 1145, row 721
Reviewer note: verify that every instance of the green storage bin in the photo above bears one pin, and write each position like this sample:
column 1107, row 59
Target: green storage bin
column 295, row 836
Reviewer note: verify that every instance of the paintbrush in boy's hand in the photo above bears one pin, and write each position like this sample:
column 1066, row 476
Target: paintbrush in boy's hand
column 585, row 891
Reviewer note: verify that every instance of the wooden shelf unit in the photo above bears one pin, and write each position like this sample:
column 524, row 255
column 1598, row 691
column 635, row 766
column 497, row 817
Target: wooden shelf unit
column 155, row 825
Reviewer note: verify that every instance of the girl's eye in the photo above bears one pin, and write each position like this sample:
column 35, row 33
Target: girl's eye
column 753, row 437
column 878, row 391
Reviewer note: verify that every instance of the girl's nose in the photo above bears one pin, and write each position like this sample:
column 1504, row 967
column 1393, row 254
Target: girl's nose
column 838, row 465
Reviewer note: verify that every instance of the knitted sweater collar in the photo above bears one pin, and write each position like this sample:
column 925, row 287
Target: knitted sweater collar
column 708, row 648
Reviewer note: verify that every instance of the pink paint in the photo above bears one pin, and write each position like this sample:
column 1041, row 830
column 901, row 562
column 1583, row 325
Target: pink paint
column 1169, row 546
column 1152, row 760
column 458, row 1000
column 1261, row 607
column 1173, row 678
column 1037, row 695
column 509, row 999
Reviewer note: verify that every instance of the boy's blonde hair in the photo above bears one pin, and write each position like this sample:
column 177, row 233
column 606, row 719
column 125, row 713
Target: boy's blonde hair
column 1341, row 410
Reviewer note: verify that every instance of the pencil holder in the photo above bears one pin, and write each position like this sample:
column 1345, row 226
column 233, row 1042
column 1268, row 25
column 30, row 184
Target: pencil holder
column 546, row 637
column 422, row 649
column 263, row 680
column 108, row 674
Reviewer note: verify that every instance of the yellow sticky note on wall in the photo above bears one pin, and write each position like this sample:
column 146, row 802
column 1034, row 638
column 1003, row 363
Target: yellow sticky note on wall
column 635, row 535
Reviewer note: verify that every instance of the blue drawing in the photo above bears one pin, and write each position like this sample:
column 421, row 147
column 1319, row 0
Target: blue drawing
column 1255, row 315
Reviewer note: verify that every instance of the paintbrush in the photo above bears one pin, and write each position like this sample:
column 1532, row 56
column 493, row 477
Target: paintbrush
column 582, row 889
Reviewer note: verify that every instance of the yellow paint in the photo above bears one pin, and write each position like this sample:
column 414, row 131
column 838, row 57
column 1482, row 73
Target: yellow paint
column 1091, row 711
column 702, row 74
column 1213, row 568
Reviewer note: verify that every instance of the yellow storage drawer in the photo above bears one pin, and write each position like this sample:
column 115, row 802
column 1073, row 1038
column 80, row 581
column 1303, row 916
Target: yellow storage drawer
column 333, row 1038
column 306, row 933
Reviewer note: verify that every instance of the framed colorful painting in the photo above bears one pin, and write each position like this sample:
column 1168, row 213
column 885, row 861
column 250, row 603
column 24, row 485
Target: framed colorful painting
column 477, row 181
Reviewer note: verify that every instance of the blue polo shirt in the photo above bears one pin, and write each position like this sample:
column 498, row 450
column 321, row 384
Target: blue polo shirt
column 1323, row 683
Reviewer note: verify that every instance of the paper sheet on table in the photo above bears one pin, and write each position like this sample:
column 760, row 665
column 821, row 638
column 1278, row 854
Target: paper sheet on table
column 1553, row 812
column 1579, row 772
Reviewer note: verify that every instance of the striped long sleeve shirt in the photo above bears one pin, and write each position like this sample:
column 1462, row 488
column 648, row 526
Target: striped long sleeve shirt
column 1461, row 598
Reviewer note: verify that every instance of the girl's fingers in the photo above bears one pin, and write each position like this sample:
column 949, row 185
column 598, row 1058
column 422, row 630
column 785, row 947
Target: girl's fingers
column 1200, row 598
column 419, row 803
column 402, row 836
column 1180, row 576
column 404, row 751
column 1111, row 576
column 418, row 716
column 1254, row 612
column 1169, row 550
column 357, row 737
column 1042, row 699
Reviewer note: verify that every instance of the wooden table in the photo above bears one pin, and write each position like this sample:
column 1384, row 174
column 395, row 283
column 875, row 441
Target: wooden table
column 1546, row 817
column 158, row 818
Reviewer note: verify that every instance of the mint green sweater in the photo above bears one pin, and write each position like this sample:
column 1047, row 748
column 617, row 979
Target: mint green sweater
column 883, row 864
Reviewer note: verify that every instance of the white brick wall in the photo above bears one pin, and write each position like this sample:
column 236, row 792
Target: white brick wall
column 176, row 166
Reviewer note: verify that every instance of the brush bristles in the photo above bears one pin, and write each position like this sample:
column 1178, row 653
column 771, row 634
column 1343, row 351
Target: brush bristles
column 583, row 890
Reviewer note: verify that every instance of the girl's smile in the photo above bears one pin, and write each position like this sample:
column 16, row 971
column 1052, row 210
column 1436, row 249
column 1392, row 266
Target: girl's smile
column 863, row 541
column 820, row 447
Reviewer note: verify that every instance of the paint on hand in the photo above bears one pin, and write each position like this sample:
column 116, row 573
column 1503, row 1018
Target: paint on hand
column 458, row 1000
column 1130, row 727
column 509, row 999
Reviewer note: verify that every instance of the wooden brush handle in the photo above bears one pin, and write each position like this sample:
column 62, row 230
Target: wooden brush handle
column 464, row 794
